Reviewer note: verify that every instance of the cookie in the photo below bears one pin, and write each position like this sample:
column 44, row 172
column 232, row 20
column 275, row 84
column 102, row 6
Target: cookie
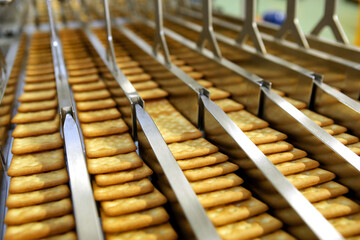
column 134, row 221
column 38, row 181
column 347, row 226
column 16, row 216
column 40, row 79
column 84, row 87
column 320, row 120
column 296, row 166
column 31, row 117
column 276, row 147
column 37, row 144
column 133, row 204
column 30, row 87
column 247, row 121
column 293, row 154
column 296, row 103
column 265, row 135
column 324, row 191
column 334, row 129
column 91, row 95
column 41, row 229
column 109, row 127
column 123, row 176
column 310, row 178
column 37, row 96
column 109, row 145
column 225, row 196
column 337, row 207
column 210, row 171
column 38, row 106
column 236, row 211
column 95, row 105
column 36, row 163
column 36, row 129
column 145, row 85
column 154, row 93
column 84, row 79
column 346, row 139
column 124, row 190
column 139, row 78
column 203, row 161
column 229, row 105
column 192, row 148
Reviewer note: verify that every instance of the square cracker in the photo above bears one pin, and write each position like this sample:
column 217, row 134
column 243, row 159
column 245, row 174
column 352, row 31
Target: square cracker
column 37, row 143
column 320, row 120
column 84, row 87
column 37, row 96
column 216, row 183
column 123, row 176
column 216, row 93
column 35, row 129
column 347, row 226
column 276, row 147
column 229, row 105
column 337, row 207
column 139, row 78
column 109, row 127
column 265, row 135
column 29, row 87
column 36, row 163
column 65, row 236
column 4, row 109
column 154, row 93
column 91, row 95
column 296, row 166
column 210, row 171
column 95, row 104
column 133, row 204
column 192, row 148
column 346, row 139
column 310, row 178
column 98, row 115
column 31, row 117
column 41, row 229
column 174, row 127
column 355, row 147
column 334, row 129
column 145, row 85
column 293, row 154
column 16, row 216
column 324, row 191
column 124, row 190
column 134, row 221
column 38, row 106
column 159, row 106
column 5, row 119
column 296, row 103
column 199, row 162
column 163, row 232
column 42, row 78
column 114, row 163
column 84, row 79
column 109, row 145
column 38, row 181
column 37, row 197
column 247, row 121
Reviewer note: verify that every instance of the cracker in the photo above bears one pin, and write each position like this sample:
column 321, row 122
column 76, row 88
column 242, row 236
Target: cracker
column 16, row 216
column 4, row 109
column 73, row 65
column 109, row 127
column 355, row 148
column 346, row 139
column 310, row 178
column 31, row 117
column 9, row 90
column 95, row 105
column 134, row 221
column 216, row 183
column 174, row 127
column 247, row 121
column 84, row 79
column 124, row 190
column 324, row 191
column 98, row 115
column 205, row 84
column 128, row 64
column 145, row 85
column 7, row 99
column 39, row 86
column 286, row 156
column 37, row 72
column 122, row 59
column 133, row 204
column 36, row 163
column 199, row 162
column 216, row 93
column 337, row 207
column 192, row 148
column 210, row 171
column 236, row 211
column 277, row 147
column 66, row 236
column 265, row 135
column 37, row 96
column 82, row 72
column 139, row 78
column 39, row 79
column 154, row 93
column 114, row 163
column 37, row 144
column 334, row 129
column 159, row 106
column 225, row 196
column 296, row 166
column 38, row 106
column 132, row 71
column 163, row 232
column 123, row 176
column 91, row 95
column 35, row 129
column 229, row 105
column 162, row 75
column 250, row 228
column 278, row 92
column 109, row 145
column 38, row 181
column 296, row 103
column 84, row 87
column 280, row 235
column 41, row 229
column 347, row 226
column 5, row 120
column 320, row 120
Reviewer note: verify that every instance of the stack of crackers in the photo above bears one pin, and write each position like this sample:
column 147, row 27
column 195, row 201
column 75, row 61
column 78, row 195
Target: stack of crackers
column 231, row 207
column 304, row 173
column 39, row 204
column 131, row 207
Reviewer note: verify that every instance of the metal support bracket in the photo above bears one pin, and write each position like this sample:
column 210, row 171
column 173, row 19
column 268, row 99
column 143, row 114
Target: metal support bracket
column 3, row 75
column 207, row 32
column 250, row 28
column 159, row 40
column 292, row 26
column 331, row 19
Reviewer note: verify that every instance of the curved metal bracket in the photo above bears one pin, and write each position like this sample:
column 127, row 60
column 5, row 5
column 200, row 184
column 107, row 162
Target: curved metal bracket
column 292, row 26
column 331, row 19
column 207, row 32
column 159, row 40
column 249, row 28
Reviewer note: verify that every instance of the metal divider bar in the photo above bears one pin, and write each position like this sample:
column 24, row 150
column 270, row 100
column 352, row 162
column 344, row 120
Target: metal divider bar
column 85, row 211
column 159, row 40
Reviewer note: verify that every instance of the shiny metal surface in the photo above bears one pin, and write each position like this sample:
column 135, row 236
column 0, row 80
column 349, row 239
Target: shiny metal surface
column 190, row 215
column 291, row 25
column 3, row 75
column 232, row 141
column 159, row 40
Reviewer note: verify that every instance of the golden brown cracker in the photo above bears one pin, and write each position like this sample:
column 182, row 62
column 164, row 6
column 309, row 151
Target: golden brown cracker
column 31, row 117
column 210, row 171
column 96, row 104
column 216, row 93
column 37, row 96
column 229, row 105
column 38, row 106
column 36, row 129
column 91, row 95
column 84, row 79
column 37, row 143
column 337, row 207
column 82, row 72
column 296, row 103
column 98, row 115
column 203, row 161
column 84, row 87
column 154, row 93
column 310, row 178
column 324, row 191
column 4, row 109
column 216, row 183
column 347, row 226
column 7, row 99
column 293, row 154
column 346, row 139
column 66, row 236
column 247, row 121
column 320, row 120
column 334, row 129
column 192, row 148
column 276, row 147
column 109, row 127
column 139, row 78
column 355, row 147
column 296, row 166
column 5, row 119
column 39, row 79
column 145, row 85
column 265, row 135
column 29, row 87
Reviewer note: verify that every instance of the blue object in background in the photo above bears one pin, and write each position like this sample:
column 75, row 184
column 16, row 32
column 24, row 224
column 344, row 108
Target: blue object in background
column 274, row 17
